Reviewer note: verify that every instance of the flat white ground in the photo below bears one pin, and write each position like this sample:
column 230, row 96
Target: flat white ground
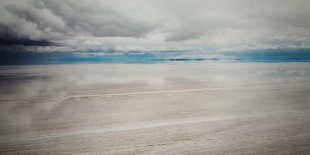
column 212, row 108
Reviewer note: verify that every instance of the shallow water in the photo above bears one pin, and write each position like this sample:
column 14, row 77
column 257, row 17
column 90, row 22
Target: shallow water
column 172, row 108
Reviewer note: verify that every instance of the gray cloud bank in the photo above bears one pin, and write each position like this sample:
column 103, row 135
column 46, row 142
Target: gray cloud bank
column 222, row 24
column 45, row 20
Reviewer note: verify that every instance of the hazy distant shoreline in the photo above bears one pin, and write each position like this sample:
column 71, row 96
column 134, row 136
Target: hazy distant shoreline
column 152, row 61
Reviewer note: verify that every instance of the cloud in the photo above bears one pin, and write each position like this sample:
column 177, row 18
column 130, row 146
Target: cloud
column 51, row 21
column 303, row 45
column 88, row 42
column 258, row 46
column 197, row 24
column 13, row 40
column 290, row 38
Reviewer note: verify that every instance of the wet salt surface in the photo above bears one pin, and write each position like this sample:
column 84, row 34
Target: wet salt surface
column 178, row 108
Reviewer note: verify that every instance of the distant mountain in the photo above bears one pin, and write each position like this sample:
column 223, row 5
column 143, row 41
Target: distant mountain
column 200, row 59
column 215, row 59
column 180, row 59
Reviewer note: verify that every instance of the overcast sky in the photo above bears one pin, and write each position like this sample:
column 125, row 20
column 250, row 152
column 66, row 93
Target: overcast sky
column 154, row 25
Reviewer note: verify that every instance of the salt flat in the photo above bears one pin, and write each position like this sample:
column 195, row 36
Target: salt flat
column 175, row 108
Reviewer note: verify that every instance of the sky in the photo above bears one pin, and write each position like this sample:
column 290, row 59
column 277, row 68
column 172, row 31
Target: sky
column 249, row 29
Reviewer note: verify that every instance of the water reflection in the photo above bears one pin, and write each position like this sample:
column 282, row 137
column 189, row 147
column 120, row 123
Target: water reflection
column 35, row 79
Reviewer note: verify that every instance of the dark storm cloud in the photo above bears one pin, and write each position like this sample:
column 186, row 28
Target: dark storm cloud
column 15, row 30
column 9, row 35
column 25, row 42
column 41, row 22
column 98, row 20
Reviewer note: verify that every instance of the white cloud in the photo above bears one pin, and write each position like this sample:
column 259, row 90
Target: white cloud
column 303, row 45
column 88, row 42
column 289, row 38
column 258, row 46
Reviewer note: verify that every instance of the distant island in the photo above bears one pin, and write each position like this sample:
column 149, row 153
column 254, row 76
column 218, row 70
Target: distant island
column 238, row 59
